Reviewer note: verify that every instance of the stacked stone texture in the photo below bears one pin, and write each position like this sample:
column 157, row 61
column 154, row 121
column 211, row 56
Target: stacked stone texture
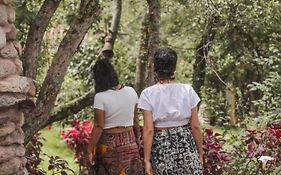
column 15, row 92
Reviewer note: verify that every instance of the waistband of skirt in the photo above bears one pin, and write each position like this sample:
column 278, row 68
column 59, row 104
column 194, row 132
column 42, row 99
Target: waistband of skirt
column 118, row 139
column 173, row 129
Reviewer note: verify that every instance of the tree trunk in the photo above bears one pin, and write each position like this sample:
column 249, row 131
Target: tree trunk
column 89, row 11
column 201, row 55
column 154, row 39
column 35, row 36
column 231, row 105
column 15, row 93
column 143, row 56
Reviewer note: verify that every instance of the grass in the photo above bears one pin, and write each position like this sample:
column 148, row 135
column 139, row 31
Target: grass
column 54, row 145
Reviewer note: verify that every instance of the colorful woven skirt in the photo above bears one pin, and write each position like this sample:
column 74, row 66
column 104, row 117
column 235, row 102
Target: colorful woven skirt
column 118, row 154
column 174, row 152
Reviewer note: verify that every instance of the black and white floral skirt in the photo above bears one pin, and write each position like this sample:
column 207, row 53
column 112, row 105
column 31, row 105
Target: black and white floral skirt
column 174, row 152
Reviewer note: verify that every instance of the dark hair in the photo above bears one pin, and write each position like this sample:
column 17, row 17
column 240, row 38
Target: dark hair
column 104, row 75
column 165, row 60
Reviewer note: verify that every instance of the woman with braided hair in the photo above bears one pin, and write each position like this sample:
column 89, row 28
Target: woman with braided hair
column 171, row 132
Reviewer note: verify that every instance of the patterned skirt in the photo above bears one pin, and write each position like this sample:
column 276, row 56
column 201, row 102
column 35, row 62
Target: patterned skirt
column 118, row 154
column 174, row 152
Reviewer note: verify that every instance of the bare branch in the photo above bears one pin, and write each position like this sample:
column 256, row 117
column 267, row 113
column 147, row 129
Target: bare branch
column 53, row 81
column 117, row 10
column 35, row 36
column 202, row 51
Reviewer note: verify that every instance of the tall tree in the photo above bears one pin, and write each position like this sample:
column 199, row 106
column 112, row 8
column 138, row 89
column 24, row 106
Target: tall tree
column 88, row 12
column 76, row 105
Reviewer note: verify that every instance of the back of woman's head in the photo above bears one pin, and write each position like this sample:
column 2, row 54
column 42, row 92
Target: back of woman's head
column 104, row 75
column 165, row 60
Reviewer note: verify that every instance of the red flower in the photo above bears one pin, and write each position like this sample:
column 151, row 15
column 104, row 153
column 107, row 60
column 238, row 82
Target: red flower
column 77, row 137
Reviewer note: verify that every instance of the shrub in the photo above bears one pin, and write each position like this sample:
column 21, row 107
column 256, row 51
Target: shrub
column 33, row 155
column 215, row 159
column 254, row 146
column 77, row 138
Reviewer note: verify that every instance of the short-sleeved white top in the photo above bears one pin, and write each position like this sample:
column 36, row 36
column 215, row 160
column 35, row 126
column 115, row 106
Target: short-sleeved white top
column 118, row 105
column 171, row 104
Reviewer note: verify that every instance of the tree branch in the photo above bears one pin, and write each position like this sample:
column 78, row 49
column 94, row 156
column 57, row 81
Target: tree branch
column 73, row 107
column 53, row 81
column 35, row 36
column 116, row 16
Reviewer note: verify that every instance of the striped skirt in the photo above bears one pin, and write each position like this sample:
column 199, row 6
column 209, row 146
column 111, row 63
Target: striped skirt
column 118, row 154
column 174, row 152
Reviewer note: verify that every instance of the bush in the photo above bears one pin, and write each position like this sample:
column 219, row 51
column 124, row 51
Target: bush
column 248, row 156
column 77, row 138
column 215, row 159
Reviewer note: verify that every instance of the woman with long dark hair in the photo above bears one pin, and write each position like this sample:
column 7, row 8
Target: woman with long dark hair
column 171, row 132
column 113, row 142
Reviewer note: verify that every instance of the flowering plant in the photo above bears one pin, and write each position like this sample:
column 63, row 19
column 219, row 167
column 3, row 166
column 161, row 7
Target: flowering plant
column 215, row 159
column 264, row 143
column 77, row 138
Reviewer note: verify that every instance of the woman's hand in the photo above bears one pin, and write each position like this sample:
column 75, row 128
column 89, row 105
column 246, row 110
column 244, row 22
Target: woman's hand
column 148, row 168
column 201, row 159
column 91, row 157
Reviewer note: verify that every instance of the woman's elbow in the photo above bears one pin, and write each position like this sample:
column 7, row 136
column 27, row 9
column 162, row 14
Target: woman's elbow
column 148, row 131
column 196, row 127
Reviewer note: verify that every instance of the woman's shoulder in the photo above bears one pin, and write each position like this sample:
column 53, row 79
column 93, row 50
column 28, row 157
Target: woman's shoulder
column 187, row 86
column 129, row 89
column 149, row 89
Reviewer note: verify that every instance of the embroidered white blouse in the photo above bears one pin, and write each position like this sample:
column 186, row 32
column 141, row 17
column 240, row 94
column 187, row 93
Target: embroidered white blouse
column 171, row 104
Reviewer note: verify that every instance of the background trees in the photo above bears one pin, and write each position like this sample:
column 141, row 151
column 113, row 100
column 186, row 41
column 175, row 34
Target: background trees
column 229, row 50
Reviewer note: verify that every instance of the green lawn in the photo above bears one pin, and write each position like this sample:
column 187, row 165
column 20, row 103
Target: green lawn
column 54, row 145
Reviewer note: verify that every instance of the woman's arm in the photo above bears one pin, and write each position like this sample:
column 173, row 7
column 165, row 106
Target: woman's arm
column 148, row 132
column 136, row 126
column 96, row 133
column 196, row 132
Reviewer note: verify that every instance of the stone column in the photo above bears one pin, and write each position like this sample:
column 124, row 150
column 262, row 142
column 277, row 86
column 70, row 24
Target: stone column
column 16, row 94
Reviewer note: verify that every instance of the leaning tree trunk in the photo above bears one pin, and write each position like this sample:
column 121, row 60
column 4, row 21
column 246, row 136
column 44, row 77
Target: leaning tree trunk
column 154, row 39
column 15, row 94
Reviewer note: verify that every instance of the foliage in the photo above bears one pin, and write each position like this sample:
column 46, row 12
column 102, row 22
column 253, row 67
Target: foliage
column 33, row 155
column 215, row 159
column 249, row 149
column 247, row 153
column 216, row 107
column 269, row 104
column 77, row 137
column 245, row 50
column 58, row 165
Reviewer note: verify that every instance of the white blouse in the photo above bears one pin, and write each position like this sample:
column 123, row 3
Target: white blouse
column 171, row 104
column 118, row 105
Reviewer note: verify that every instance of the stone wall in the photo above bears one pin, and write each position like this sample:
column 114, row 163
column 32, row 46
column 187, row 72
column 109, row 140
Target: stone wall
column 16, row 94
